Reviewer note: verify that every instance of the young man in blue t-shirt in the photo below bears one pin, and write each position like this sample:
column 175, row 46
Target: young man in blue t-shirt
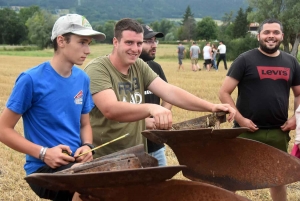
column 54, row 102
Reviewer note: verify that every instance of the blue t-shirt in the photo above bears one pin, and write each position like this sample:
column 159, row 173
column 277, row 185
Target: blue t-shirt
column 51, row 107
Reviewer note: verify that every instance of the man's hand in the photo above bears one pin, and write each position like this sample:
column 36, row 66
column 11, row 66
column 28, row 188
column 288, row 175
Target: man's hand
column 225, row 108
column 290, row 124
column 55, row 157
column 244, row 122
column 150, row 123
column 161, row 116
column 86, row 157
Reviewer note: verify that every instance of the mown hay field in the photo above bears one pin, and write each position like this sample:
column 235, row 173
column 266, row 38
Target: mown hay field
column 202, row 84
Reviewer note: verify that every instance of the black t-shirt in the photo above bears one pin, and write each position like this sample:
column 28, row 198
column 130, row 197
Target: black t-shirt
column 152, row 98
column 264, row 86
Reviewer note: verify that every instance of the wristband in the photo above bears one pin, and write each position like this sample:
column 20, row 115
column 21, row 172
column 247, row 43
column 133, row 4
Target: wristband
column 91, row 146
column 43, row 153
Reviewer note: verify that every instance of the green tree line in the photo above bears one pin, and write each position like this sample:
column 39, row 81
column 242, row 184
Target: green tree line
column 33, row 25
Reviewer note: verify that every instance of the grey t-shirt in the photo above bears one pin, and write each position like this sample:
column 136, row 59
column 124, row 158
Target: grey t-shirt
column 195, row 51
column 180, row 50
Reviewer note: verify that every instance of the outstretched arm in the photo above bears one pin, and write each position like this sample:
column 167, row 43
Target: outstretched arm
column 186, row 100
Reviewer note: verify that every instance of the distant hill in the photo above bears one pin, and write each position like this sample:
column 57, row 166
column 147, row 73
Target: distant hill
column 103, row 10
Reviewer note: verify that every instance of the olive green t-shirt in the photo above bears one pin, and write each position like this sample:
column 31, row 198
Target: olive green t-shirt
column 128, row 88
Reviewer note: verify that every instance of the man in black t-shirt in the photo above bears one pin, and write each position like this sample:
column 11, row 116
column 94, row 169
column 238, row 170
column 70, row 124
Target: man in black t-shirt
column 264, row 77
column 148, row 54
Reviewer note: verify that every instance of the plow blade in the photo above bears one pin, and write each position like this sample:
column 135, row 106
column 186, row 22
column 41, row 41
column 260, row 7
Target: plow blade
column 164, row 191
column 211, row 120
column 107, row 179
column 121, row 177
column 219, row 158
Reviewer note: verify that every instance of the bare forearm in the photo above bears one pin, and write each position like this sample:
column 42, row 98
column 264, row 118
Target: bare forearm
column 166, row 105
column 17, row 142
column 86, row 134
column 128, row 112
column 183, row 99
column 226, row 98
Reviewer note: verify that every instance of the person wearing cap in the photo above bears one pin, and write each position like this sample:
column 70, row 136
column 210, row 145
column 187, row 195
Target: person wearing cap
column 148, row 55
column 54, row 101
column 118, row 82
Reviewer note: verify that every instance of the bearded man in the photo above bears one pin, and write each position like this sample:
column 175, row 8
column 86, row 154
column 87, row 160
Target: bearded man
column 264, row 77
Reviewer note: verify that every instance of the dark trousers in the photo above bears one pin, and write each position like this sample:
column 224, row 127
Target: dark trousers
column 222, row 57
column 50, row 194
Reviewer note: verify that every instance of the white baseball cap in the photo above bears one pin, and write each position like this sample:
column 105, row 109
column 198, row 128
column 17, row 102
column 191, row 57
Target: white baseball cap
column 76, row 24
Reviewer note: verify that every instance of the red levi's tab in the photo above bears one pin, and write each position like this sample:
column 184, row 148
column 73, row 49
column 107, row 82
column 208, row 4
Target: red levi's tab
column 274, row 73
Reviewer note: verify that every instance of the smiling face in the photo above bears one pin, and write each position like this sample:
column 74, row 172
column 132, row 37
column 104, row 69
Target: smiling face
column 128, row 48
column 270, row 38
column 149, row 49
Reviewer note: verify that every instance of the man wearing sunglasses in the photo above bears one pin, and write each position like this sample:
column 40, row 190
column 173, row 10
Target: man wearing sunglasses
column 148, row 55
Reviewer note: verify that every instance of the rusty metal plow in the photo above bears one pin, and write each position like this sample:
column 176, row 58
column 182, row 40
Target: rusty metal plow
column 130, row 175
column 219, row 158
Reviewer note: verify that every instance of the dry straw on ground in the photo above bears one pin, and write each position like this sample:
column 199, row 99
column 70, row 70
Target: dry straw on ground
column 202, row 83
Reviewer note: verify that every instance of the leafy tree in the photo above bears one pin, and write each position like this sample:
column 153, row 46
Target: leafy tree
column 11, row 28
column 207, row 29
column 24, row 14
column 108, row 29
column 28, row 12
column 164, row 26
column 40, row 28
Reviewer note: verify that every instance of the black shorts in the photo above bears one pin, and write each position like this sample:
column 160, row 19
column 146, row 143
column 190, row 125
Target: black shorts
column 50, row 194
column 207, row 61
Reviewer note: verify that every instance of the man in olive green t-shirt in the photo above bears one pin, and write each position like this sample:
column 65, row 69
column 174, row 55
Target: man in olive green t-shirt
column 118, row 82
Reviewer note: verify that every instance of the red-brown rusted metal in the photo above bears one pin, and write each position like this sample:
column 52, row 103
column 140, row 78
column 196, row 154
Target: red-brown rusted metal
column 171, row 190
column 107, row 179
column 210, row 120
column 219, row 158
column 137, row 150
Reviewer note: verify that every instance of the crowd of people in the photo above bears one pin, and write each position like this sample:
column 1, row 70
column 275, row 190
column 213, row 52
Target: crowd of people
column 69, row 110
column 210, row 52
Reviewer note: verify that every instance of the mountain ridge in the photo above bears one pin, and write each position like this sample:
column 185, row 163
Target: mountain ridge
column 155, row 10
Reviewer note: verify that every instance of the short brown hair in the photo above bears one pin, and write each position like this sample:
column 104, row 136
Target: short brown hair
column 127, row 24
column 67, row 37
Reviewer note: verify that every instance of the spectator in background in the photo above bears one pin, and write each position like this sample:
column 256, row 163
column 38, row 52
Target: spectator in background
column 194, row 54
column 148, row 55
column 180, row 51
column 207, row 55
column 222, row 54
column 214, row 56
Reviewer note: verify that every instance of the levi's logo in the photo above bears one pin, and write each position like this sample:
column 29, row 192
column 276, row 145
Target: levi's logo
column 274, row 73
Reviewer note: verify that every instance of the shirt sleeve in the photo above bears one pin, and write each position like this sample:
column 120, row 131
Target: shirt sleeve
column 237, row 68
column 20, row 99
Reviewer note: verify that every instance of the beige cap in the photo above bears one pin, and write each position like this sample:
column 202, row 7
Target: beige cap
column 76, row 24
